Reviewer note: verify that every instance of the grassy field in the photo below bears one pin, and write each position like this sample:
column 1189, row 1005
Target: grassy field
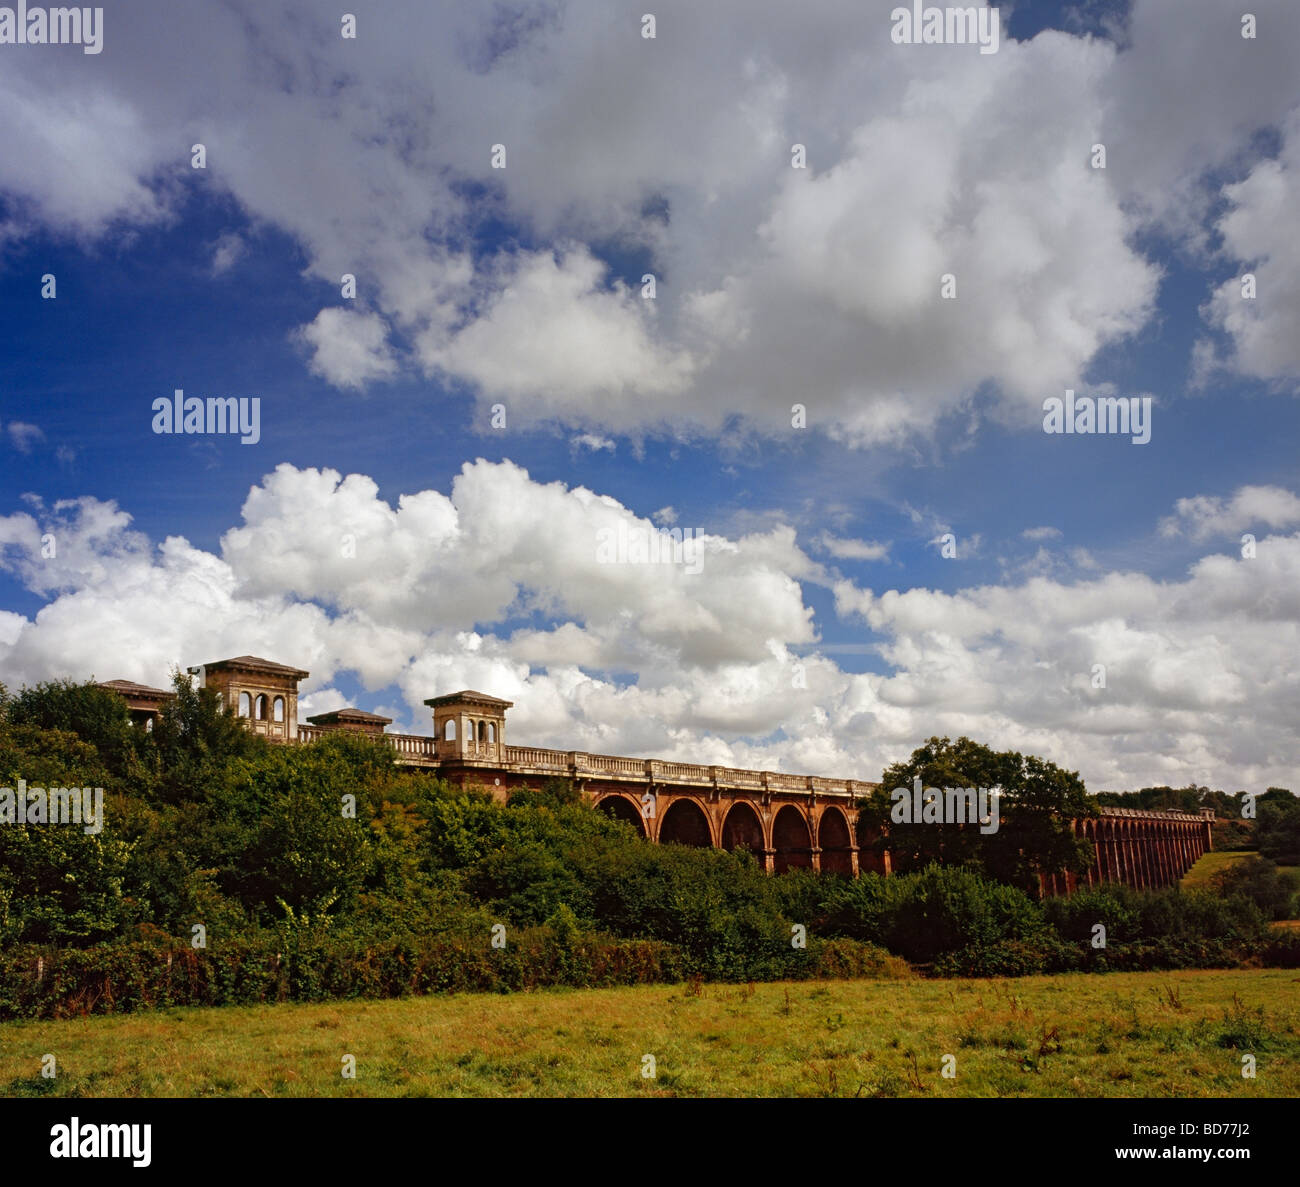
column 1209, row 864
column 1133, row 1034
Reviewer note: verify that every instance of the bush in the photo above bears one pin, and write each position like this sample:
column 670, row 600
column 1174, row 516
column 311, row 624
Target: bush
column 1007, row 958
column 941, row 909
column 1259, row 880
column 1278, row 827
column 1282, row 949
column 39, row 982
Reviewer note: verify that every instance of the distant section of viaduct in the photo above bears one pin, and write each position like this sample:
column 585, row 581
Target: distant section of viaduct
column 786, row 821
column 1142, row 849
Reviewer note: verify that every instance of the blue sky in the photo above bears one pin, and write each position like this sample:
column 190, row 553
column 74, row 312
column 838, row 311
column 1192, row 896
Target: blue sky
column 919, row 421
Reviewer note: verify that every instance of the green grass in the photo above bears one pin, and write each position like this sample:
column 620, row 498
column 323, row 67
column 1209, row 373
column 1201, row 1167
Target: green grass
column 1201, row 875
column 1124, row 1034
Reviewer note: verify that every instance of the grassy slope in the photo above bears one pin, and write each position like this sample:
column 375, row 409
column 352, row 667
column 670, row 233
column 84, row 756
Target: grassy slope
column 1209, row 864
column 1201, row 875
column 1132, row 1034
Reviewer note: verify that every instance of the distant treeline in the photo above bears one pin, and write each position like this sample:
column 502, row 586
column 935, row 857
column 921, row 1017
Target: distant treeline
column 231, row 870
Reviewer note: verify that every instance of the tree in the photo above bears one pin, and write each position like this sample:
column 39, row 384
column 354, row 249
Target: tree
column 1037, row 801
column 94, row 714
column 284, row 833
column 1163, row 799
column 1277, row 829
column 197, row 736
column 60, row 884
column 1258, row 879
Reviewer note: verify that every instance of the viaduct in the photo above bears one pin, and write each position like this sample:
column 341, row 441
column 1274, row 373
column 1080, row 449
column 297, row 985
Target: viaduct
column 786, row 821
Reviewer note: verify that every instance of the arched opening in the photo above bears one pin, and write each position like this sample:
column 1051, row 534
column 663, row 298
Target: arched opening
column 482, row 731
column 245, row 705
column 622, row 808
column 685, row 824
column 836, row 843
column 277, row 709
column 492, row 732
column 743, row 830
column 148, row 725
column 791, row 840
column 449, row 730
column 259, row 707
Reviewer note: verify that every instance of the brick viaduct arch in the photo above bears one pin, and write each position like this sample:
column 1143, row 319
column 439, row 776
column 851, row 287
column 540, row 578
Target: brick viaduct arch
column 835, row 840
column 624, row 808
column 743, row 828
column 781, row 834
column 686, row 821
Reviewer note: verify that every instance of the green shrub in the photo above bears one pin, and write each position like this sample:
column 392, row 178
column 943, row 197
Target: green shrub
column 941, row 909
column 1258, row 879
column 1282, row 948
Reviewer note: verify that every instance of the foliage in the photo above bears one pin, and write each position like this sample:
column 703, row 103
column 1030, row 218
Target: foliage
column 326, row 870
column 95, row 715
column 1037, row 802
column 197, row 737
column 1277, row 827
column 1260, row 881
column 937, row 910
